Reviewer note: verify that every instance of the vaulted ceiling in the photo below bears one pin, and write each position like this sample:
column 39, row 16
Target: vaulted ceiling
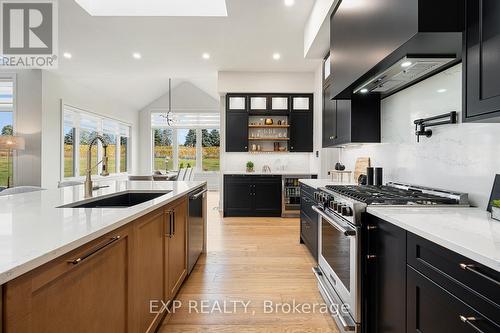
column 245, row 40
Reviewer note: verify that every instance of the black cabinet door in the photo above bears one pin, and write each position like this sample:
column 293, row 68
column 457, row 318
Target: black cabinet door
column 329, row 118
column 236, row 131
column 431, row 309
column 482, row 61
column 386, row 276
column 343, row 112
column 309, row 225
column 301, row 131
column 238, row 196
column 266, row 196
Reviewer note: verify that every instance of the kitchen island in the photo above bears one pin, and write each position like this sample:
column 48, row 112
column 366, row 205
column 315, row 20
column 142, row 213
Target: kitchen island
column 98, row 267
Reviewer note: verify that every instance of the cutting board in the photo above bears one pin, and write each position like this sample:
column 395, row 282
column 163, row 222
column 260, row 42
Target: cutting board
column 360, row 167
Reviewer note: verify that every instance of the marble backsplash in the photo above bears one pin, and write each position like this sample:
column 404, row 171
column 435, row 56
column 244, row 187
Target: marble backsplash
column 463, row 157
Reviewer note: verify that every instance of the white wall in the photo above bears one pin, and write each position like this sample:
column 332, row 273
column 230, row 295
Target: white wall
column 462, row 157
column 55, row 89
column 269, row 82
column 28, row 124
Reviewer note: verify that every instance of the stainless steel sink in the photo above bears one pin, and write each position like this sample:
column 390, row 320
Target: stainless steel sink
column 117, row 200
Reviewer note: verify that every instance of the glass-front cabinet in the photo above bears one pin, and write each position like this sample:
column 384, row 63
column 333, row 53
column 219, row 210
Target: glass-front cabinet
column 301, row 103
column 258, row 103
column 237, row 103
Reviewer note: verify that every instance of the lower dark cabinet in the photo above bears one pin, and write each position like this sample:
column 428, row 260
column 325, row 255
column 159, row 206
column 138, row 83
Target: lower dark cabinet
column 432, row 309
column 308, row 223
column 386, row 280
column 248, row 195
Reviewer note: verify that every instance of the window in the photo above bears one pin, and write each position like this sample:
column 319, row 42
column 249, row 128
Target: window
column 6, row 126
column 163, row 149
column 124, row 148
column 192, row 141
column 79, row 129
column 186, row 139
column 210, row 149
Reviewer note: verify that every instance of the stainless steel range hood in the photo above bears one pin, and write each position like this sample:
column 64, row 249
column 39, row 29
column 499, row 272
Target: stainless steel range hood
column 403, row 72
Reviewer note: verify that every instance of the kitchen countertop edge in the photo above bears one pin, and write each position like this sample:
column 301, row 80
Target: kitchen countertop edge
column 455, row 240
column 33, row 263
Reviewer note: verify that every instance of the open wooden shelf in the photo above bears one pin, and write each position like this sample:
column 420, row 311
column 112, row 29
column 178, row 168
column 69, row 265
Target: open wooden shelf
column 268, row 126
column 268, row 139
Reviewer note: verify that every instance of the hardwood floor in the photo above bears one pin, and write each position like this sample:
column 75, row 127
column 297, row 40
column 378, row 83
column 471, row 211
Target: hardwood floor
column 250, row 260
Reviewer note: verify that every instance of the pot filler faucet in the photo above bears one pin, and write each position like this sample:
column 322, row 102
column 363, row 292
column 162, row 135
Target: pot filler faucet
column 88, row 179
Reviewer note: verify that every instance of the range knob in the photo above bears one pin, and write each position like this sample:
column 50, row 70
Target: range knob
column 346, row 211
column 334, row 204
column 339, row 208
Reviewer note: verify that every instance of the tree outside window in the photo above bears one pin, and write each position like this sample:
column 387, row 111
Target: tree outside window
column 163, row 149
column 210, row 149
column 187, row 148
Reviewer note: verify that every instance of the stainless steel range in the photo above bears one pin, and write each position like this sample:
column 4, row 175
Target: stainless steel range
column 340, row 209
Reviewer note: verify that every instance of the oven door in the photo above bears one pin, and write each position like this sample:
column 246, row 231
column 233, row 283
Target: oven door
column 339, row 259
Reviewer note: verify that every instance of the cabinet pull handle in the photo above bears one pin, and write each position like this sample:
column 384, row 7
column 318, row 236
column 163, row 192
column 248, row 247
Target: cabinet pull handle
column 169, row 233
column 471, row 322
column 472, row 268
column 93, row 251
column 173, row 223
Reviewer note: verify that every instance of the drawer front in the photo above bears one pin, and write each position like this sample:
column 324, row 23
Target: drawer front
column 472, row 282
column 308, row 190
column 306, row 204
column 309, row 234
column 432, row 309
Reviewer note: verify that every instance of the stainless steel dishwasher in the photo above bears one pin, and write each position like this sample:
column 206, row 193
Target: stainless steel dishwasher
column 196, row 225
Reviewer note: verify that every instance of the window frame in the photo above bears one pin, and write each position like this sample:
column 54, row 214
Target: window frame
column 13, row 77
column 80, row 113
column 175, row 145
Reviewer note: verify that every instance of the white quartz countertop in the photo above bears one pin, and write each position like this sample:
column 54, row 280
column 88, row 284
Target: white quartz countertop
column 257, row 172
column 316, row 183
column 470, row 232
column 33, row 231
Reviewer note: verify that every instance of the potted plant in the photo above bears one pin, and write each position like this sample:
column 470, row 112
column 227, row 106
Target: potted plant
column 250, row 166
column 495, row 209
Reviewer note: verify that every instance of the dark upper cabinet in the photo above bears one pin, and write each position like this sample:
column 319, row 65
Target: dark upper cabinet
column 236, row 131
column 482, row 61
column 301, row 131
column 329, row 118
column 386, row 244
column 355, row 120
column 295, row 109
column 362, row 37
column 247, row 195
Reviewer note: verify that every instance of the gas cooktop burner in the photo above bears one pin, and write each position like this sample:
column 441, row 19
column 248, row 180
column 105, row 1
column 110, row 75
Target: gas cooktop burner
column 390, row 195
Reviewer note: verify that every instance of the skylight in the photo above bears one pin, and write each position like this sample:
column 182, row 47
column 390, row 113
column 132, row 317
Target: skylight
column 154, row 7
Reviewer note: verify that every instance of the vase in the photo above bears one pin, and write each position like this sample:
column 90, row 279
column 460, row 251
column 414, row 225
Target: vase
column 249, row 169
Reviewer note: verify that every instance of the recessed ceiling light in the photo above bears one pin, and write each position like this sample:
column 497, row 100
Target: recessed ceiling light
column 276, row 56
column 406, row 64
column 363, row 91
column 67, row 55
column 205, row 55
column 136, row 55
column 289, row 3
column 441, row 90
